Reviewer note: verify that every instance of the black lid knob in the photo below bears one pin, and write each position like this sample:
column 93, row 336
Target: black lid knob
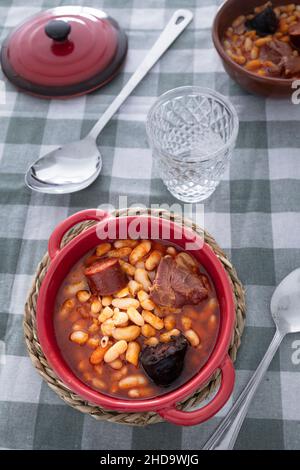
column 58, row 30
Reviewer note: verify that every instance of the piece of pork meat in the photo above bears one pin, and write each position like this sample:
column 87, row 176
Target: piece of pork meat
column 175, row 286
column 291, row 65
column 164, row 363
column 275, row 50
column 281, row 54
column 294, row 32
column 275, row 70
column 105, row 277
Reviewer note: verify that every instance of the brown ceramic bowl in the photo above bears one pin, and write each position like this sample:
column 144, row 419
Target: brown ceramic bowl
column 267, row 86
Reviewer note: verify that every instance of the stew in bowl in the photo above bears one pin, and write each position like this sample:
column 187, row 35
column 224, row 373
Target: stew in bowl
column 137, row 325
column 136, row 318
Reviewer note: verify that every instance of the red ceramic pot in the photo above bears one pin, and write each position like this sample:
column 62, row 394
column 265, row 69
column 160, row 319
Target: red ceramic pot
column 62, row 260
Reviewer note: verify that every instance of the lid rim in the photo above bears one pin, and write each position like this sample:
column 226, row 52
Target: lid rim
column 64, row 91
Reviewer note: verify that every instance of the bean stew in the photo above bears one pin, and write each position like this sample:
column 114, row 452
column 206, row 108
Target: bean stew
column 136, row 318
column 266, row 41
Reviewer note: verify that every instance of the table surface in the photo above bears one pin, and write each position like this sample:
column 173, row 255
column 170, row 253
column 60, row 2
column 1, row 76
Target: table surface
column 254, row 215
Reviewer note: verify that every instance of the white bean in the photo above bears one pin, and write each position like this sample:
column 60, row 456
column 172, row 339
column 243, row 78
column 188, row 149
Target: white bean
column 107, row 327
column 134, row 287
column 132, row 381
column 124, row 304
column 170, row 322
column 238, row 21
column 72, row 289
column 127, row 268
column 135, row 316
column 103, row 249
column 193, row 338
column 93, row 343
column 127, row 333
column 133, row 393
column 141, row 250
column 79, row 337
column 166, row 337
column 120, row 252
column 120, row 318
column 148, row 330
column 115, row 351
column 66, row 308
column 106, row 300
column 98, row 383
column 127, row 242
column 153, row 260
column 80, row 325
column 153, row 320
column 132, row 353
column 96, row 306
column 116, row 364
column 83, row 295
column 94, row 327
column 106, row 313
column 120, row 373
column 171, row 250
column 145, row 300
column 122, row 293
column 151, row 341
column 186, row 323
column 141, row 276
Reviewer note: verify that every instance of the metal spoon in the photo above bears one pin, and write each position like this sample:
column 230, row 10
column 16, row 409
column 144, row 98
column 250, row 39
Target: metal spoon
column 75, row 166
column 285, row 308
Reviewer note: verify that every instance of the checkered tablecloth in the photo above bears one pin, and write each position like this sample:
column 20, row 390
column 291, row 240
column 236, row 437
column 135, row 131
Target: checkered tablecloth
column 254, row 215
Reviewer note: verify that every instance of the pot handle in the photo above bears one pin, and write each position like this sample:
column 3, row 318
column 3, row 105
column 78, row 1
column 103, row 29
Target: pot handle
column 191, row 418
column 56, row 237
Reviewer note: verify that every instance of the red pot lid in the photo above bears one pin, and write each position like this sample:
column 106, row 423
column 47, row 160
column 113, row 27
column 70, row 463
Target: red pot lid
column 64, row 51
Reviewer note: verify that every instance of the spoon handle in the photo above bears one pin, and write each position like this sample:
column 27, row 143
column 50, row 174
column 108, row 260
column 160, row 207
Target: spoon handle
column 226, row 434
column 179, row 21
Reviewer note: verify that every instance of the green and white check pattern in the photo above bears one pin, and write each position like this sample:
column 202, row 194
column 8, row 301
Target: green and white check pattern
column 254, row 214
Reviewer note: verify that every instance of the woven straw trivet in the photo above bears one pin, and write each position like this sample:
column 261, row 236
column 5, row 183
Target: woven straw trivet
column 139, row 419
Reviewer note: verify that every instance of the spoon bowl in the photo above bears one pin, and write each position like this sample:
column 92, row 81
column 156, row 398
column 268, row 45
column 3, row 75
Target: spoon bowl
column 66, row 169
column 285, row 304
